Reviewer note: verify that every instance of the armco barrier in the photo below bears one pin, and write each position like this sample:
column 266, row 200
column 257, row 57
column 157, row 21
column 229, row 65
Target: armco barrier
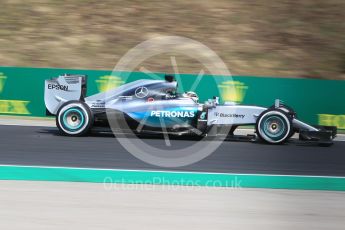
column 316, row 101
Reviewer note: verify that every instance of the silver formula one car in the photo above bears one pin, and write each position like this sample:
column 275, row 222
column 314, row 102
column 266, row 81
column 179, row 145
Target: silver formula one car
column 155, row 107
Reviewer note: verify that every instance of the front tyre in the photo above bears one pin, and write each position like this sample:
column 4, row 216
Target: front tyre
column 274, row 126
column 74, row 119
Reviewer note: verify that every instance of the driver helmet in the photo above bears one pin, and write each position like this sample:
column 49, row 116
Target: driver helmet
column 191, row 94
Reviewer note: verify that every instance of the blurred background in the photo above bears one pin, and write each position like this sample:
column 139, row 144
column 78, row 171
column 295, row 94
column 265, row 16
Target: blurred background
column 262, row 37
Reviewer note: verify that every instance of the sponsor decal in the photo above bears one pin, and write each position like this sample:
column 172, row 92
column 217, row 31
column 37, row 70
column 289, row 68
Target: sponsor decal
column 233, row 91
column 14, row 107
column 98, row 105
column 105, row 83
column 2, row 82
column 170, row 96
column 141, row 92
column 150, row 99
column 58, row 87
column 332, row 120
column 172, row 114
column 168, row 90
column 230, row 115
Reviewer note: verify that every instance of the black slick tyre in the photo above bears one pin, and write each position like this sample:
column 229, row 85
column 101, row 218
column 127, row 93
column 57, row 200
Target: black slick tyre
column 74, row 118
column 274, row 126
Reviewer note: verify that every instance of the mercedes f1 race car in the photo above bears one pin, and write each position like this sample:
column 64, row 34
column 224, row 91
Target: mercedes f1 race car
column 155, row 107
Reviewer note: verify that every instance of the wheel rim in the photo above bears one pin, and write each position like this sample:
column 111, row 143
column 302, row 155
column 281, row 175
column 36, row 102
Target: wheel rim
column 73, row 119
column 274, row 127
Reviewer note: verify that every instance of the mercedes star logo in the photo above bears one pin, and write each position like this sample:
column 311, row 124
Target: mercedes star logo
column 141, row 92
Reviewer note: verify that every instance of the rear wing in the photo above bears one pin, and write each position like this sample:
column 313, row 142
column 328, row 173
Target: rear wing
column 64, row 88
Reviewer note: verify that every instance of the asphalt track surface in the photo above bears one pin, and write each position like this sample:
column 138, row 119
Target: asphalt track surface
column 42, row 146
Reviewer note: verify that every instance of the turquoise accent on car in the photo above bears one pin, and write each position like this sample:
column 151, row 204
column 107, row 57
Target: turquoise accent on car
column 203, row 116
column 71, row 110
column 266, row 124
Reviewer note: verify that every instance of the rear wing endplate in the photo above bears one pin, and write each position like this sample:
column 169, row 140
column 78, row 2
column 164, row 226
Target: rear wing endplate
column 58, row 91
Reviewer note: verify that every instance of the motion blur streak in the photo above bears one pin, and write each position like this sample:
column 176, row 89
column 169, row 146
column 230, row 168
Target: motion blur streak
column 56, row 205
column 269, row 38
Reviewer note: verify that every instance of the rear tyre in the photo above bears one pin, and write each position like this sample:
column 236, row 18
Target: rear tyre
column 293, row 132
column 274, row 126
column 74, row 119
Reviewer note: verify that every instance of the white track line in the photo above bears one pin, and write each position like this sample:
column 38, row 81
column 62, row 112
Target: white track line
column 27, row 122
